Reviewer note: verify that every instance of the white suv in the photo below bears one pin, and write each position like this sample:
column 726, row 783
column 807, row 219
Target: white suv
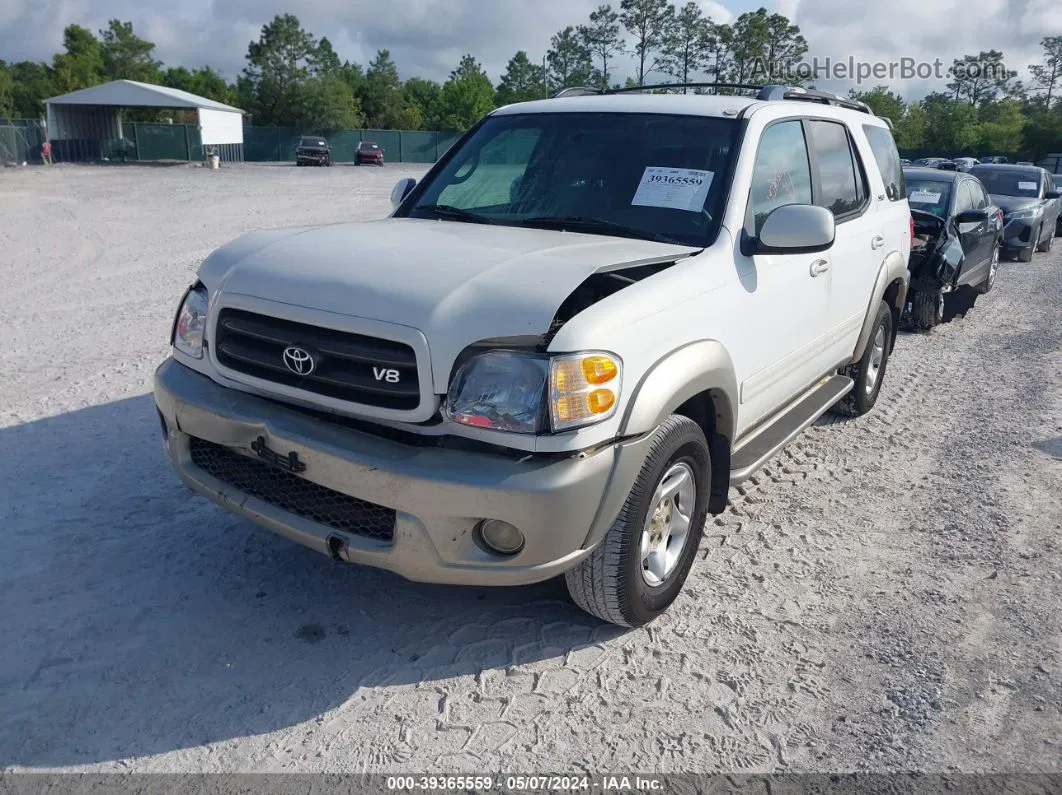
column 588, row 320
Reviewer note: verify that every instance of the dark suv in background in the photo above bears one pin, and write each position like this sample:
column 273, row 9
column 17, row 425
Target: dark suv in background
column 313, row 151
column 1029, row 201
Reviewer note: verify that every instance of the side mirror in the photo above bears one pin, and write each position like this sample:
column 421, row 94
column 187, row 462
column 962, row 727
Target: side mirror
column 797, row 229
column 972, row 217
column 401, row 190
column 1052, row 194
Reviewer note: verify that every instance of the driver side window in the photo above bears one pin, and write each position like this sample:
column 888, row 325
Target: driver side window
column 490, row 179
column 782, row 172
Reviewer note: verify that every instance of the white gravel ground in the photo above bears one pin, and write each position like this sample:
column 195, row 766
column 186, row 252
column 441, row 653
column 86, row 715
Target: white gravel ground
column 885, row 596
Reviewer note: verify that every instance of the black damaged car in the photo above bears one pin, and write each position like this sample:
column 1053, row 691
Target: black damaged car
column 1029, row 201
column 958, row 233
column 313, row 151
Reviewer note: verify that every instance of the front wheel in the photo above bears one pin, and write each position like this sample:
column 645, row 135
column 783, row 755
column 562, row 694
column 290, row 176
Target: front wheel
column 927, row 308
column 869, row 372
column 1045, row 245
column 640, row 566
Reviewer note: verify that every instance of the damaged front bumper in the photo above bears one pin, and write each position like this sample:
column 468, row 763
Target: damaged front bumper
column 364, row 499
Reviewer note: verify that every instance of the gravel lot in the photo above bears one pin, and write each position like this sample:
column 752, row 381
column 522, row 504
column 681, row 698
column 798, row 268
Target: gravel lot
column 886, row 595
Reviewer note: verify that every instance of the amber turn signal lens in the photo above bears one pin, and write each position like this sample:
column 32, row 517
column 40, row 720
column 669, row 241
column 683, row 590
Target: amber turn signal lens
column 601, row 400
column 599, row 369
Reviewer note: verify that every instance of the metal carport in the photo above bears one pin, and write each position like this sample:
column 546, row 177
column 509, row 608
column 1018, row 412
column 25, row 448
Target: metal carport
column 87, row 124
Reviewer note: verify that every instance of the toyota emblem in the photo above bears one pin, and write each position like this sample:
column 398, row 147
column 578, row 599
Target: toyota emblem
column 298, row 360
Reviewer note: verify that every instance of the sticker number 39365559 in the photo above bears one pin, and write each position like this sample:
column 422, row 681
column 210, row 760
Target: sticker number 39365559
column 673, row 188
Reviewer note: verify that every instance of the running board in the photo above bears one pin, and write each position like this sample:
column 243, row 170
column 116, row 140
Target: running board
column 759, row 449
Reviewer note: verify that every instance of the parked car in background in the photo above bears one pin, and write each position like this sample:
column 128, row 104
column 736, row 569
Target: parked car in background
column 369, row 153
column 904, row 161
column 998, row 159
column 1057, row 180
column 1029, row 201
column 928, row 162
column 947, row 165
column 965, row 163
column 957, row 238
column 313, row 150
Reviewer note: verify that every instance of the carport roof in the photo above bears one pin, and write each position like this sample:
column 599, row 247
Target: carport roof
column 131, row 94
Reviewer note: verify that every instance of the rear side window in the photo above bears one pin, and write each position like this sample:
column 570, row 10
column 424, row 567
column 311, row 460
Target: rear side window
column 888, row 159
column 841, row 188
column 782, row 174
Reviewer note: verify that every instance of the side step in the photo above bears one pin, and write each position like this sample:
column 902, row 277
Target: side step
column 765, row 444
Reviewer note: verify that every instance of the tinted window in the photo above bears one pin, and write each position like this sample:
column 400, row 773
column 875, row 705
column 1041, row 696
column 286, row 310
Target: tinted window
column 782, row 174
column 929, row 196
column 888, row 159
column 643, row 174
column 841, row 188
column 964, row 199
column 1009, row 182
column 980, row 197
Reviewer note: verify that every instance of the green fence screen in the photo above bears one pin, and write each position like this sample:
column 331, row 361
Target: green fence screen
column 20, row 141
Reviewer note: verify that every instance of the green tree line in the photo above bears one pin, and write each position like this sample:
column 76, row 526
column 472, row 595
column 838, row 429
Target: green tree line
column 985, row 109
column 294, row 79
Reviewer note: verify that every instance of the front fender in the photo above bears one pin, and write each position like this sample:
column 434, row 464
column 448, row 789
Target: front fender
column 702, row 366
column 892, row 271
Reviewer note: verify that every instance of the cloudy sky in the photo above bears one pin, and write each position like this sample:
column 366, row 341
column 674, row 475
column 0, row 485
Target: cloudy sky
column 428, row 37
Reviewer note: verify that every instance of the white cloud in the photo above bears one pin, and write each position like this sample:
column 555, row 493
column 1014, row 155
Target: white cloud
column 427, row 37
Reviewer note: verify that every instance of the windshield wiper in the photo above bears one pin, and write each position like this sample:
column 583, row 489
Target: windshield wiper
column 456, row 213
column 579, row 223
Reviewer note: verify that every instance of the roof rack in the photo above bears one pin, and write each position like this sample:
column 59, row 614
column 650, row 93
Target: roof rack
column 766, row 93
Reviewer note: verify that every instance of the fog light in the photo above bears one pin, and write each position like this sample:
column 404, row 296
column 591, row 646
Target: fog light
column 501, row 537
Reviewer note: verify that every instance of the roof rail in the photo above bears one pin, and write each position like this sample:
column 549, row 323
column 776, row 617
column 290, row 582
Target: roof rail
column 775, row 92
column 576, row 91
column 660, row 86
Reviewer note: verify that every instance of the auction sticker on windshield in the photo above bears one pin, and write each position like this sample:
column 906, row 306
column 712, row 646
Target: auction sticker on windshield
column 923, row 197
column 673, row 188
column 1027, row 186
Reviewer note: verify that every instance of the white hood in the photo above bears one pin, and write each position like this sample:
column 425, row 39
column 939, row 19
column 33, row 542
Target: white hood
column 457, row 283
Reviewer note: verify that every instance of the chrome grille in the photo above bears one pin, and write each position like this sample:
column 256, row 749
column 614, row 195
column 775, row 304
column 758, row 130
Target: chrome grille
column 292, row 493
column 352, row 367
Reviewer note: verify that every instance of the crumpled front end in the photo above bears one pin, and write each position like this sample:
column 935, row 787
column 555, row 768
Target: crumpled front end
column 936, row 254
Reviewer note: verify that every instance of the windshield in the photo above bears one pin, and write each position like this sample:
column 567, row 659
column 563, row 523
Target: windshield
column 1010, row 183
column 367, row 145
column 313, row 142
column 651, row 176
column 929, row 196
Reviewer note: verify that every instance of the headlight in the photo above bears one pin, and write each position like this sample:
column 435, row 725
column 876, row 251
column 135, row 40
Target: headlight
column 531, row 393
column 190, row 323
column 1020, row 215
column 501, row 390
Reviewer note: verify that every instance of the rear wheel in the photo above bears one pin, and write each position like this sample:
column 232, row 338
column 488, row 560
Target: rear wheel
column 869, row 372
column 640, row 566
column 990, row 277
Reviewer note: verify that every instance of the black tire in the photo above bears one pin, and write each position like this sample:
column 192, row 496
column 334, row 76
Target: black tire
column 1045, row 245
column 867, row 375
column 610, row 583
column 927, row 309
column 990, row 277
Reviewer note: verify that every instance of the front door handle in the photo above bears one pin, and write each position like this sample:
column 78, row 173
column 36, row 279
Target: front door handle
column 819, row 267
column 877, row 242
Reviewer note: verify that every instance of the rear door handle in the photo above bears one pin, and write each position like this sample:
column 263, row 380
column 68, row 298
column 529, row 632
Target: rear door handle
column 819, row 267
column 877, row 242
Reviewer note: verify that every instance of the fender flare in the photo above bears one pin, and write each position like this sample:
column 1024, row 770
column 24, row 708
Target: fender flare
column 893, row 268
column 700, row 366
